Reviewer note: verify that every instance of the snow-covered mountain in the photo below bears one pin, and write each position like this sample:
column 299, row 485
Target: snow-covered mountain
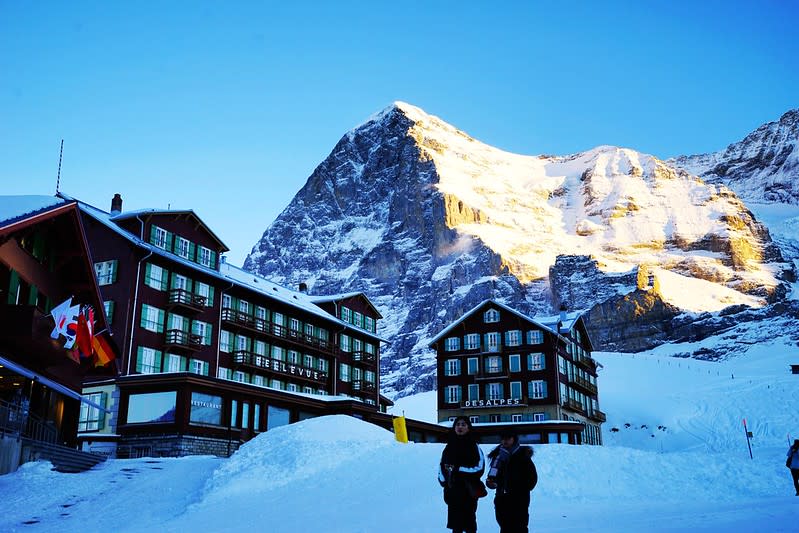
column 763, row 167
column 429, row 221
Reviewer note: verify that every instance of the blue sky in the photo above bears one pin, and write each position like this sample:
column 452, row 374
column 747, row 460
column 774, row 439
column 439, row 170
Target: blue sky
column 226, row 108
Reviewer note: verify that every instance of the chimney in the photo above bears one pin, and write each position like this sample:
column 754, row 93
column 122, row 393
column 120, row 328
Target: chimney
column 303, row 288
column 116, row 204
column 562, row 320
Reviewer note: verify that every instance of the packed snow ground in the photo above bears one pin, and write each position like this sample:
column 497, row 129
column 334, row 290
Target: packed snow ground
column 678, row 462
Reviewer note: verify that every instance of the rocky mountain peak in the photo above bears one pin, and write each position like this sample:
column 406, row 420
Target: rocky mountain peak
column 429, row 222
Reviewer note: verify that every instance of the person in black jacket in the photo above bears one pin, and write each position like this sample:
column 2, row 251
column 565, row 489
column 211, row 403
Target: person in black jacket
column 462, row 463
column 512, row 475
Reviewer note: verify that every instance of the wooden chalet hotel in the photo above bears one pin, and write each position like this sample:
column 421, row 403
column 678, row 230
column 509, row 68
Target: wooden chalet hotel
column 499, row 368
column 212, row 355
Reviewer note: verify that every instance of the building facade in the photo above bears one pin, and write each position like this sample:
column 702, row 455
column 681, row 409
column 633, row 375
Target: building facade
column 44, row 262
column 212, row 355
column 499, row 367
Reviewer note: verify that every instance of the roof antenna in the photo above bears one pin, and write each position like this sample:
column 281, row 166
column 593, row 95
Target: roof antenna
column 58, row 177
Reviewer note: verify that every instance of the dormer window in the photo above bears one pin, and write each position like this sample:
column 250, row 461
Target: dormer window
column 492, row 315
column 205, row 257
column 182, row 247
column 160, row 237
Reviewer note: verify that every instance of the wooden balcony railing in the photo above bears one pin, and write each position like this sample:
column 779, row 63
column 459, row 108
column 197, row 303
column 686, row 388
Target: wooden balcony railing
column 585, row 361
column 364, row 357
column 574, row 405
column 186, row 300
column 598, row 415
column 177, row 338
column 583, row 384
column 363, row 386
column 238, row 318
column 262, row 362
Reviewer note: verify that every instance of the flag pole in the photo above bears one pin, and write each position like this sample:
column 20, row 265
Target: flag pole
column 58, row 176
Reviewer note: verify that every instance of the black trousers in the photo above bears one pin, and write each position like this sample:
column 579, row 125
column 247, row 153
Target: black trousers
column 512, row 512
column 795, row 476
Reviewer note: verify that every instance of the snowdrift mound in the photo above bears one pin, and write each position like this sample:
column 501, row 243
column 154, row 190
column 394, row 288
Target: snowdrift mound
column 288, row 454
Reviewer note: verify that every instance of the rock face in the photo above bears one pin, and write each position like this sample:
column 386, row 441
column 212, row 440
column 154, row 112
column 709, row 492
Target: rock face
column 429, row 222
column 764, row 166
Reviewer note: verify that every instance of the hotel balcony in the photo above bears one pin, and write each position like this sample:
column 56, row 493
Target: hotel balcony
column 574, row 405
column 583, row 385
column 276, row 366
column 176, row 338
column 186, row 300
column 597, row 415
column 276, row 331
column 586, row 362
column 363, row 386
column 364, row 357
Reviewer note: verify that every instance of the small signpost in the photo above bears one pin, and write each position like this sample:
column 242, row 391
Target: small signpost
column 748, row 436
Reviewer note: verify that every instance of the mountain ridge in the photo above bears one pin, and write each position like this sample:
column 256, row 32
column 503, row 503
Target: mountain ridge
column 428, row 222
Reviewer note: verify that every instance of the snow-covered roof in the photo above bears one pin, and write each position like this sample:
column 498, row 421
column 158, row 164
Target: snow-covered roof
column 152, row 211
column 548, row 323
column 13, row 208
column 227, row 272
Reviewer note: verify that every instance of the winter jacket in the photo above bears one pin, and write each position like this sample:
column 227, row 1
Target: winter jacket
column 512, row 470
column 461, row 461
column 793, row 453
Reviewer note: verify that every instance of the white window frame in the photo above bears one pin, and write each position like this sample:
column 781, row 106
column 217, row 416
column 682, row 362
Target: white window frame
column 495, row 391
column 452, row 394
column 452, row 344
column 452, row 367
column 471, row 341
column 535, row 336
column 492, row 339
column 491, row 316
column 537, row 389
column 536, row 361
column 204, row 256
column 513, row 337
column 182, row 247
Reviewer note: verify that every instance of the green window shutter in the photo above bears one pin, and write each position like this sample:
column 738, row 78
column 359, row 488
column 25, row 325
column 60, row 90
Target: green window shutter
column 170, row 240
column 164, row 279
column 174, row 281
column 13, row 287
column 158, row 360
column 208, row 330
column 192, row 251
column 143, row 319
column 210, row 296
column 213, row 260
column 109, row 311
column 101, row 414
column 160, row 321
column 147, row 268
column 152, row 234
column 114, row 265
column 170, row 321
column 139, row 351
column 205, row 368
column 189, row 285
column 33, row 295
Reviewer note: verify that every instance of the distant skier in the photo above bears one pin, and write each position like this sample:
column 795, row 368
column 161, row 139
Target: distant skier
column 513, row 475
column 462, row 464
column 793, row 464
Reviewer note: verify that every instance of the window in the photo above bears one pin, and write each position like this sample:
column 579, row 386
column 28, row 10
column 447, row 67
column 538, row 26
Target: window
column 452, row 367
column 148, row 361
column 279, row 319
column 539, row 417
column 259, row 347
column 225, row 341
column 240, row 376
column 245, row 415
column 323, row 365
column 494, row 418
column 535, row 337
column 471, row 341
column 492, row 342
column 513, row 337
column 223, row 373
column 182, row 247
column 452, row 394
column 293, row 357
column 515, row 418
column 537, row 389
column 292, row 387
column 108, row 307
column 205, row 257
column 307, row 361
column 536, row 361
column 494, row 391
column 493, row 364
column 474, row 419
column 155, row 277
column 92, row 418
column 516, row 390
column 204, row 330
column 176, row 322
column 357, row 345
column 244, row 307
column 106, row 272
column 492, row 315
column 242, row 343
column 159, row 237
column 515, row 361
column 294, row 326
column 180, row 282
column 152, row 318
column 356, row 374
column 197, row 366
column 369, row 323
column 258, row 380
column 357, row 319
column 473, row 392
column 346, row 314
column 472, row 364
column 175, row 363
column 344, row 372
column 205, row 291
column 369, row 376
column 227, row 301
column 279, row 353
column 452, row 344
column 234, row 413
column 345, row 343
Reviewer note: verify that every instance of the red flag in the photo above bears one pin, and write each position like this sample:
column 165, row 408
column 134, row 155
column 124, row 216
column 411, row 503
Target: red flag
column 84, row 333
column 103, row 352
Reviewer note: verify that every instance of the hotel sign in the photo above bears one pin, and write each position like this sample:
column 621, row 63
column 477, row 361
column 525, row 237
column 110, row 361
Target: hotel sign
column 500, row 402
